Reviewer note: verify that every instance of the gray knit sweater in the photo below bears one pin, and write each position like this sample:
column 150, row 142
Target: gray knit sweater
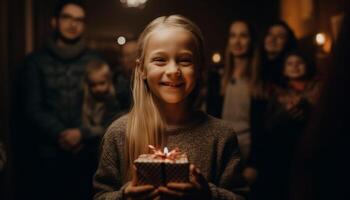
column 210, row 144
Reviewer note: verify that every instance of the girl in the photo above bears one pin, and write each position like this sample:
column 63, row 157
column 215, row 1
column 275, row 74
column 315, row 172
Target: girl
column 166, row 83
column 237, row 83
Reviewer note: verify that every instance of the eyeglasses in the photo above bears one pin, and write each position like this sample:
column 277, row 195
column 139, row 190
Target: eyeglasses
column 69, row 18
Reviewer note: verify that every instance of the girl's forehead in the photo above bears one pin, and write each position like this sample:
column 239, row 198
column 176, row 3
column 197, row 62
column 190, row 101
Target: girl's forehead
column 170, row 38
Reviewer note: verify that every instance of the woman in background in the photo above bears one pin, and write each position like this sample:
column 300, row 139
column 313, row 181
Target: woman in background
column 277, row 42
column 238, row 80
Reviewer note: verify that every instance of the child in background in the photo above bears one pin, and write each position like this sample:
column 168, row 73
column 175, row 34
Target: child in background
column 166, row 83
column 298, row 78
column 99, row 104
column 286, row 116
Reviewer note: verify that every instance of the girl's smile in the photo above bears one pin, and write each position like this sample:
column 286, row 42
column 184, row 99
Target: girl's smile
column 170, row 68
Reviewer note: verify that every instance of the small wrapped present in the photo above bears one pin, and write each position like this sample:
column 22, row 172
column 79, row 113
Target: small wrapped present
column 161, row 168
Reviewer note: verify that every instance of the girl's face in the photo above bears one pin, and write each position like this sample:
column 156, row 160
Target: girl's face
column 276, row 40
column 239, row 39
column 169, row 64
column 294, row 67
column 99, row 84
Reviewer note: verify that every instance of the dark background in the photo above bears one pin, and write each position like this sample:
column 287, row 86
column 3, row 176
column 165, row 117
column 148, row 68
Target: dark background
column 24, row 25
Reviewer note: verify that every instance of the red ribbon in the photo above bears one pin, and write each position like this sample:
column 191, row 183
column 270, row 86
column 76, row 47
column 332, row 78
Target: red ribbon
column 172, row 155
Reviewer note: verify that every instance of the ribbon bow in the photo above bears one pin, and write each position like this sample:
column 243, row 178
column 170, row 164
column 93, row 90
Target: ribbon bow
column 172, row 155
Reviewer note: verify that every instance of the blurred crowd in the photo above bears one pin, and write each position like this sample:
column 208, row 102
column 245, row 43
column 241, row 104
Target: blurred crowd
column 267, row 88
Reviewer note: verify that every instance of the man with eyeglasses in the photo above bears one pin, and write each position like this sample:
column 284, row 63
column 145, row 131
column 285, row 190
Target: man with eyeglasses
column 52, row 104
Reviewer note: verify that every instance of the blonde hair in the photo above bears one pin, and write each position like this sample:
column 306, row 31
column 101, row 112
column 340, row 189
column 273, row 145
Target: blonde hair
column 145, row 124
column 93, row 67
column 252, row 72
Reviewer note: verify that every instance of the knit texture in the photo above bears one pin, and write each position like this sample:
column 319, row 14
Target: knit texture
column 210, row 143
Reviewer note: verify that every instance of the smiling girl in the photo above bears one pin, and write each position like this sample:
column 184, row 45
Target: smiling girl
column 166, row 83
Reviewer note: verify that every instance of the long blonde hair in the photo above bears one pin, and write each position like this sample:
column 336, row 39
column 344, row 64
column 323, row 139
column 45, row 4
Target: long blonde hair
column 252, row 72
column 145, row 124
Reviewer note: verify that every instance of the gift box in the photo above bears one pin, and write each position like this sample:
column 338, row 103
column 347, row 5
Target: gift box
column 161, row 168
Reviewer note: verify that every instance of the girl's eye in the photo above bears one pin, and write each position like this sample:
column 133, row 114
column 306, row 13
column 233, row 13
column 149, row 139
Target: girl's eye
column 159, row 61
column 186, row 62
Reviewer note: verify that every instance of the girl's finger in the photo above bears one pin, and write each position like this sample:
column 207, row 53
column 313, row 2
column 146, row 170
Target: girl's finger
column 180, row 186
column 152, row 195
column 134, row 176
column 139, row 191
column 172, row 193
column 198, row 175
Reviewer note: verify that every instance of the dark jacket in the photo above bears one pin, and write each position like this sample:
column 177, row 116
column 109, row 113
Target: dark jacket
column 123, row 91
column 52, row 91
column 275, row 134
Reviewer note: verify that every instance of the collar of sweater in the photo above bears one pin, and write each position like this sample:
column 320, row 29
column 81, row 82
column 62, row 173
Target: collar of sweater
column 69, row 51
column 198, row 119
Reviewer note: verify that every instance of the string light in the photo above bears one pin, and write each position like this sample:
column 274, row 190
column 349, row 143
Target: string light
column 320, row 39
column 216, row 57
column 121, row 40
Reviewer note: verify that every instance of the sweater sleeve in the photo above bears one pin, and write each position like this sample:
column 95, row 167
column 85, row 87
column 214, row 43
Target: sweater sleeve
column 229, row 184
column 107, row 180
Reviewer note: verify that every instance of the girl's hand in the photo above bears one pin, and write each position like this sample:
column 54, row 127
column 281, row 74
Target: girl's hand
column 197, row 188
column 132, row 191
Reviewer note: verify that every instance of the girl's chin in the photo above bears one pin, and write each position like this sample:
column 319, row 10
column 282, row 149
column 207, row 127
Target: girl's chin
column 171, row 100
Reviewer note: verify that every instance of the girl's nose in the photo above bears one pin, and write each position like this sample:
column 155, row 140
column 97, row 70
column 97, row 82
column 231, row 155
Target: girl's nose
column 173, row 70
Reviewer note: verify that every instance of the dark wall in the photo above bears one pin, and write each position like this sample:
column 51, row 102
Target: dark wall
column 107, row 19
column 11, row 54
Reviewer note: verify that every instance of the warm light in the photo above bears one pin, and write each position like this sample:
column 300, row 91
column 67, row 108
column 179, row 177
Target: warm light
column 216, row 58
column 121, row 40
column 320, row 39
column 133, row 3
column 166, row 151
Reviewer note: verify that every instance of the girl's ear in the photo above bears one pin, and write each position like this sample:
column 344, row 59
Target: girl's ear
column 141, row 69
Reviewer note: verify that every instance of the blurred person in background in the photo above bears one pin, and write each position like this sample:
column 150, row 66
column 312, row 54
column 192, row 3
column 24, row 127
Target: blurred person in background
column 122, row 78
column 321, row 167
column 237, row 84
column 286, row 115
column 278, row 40
column 100, row 105
column 52, row 99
